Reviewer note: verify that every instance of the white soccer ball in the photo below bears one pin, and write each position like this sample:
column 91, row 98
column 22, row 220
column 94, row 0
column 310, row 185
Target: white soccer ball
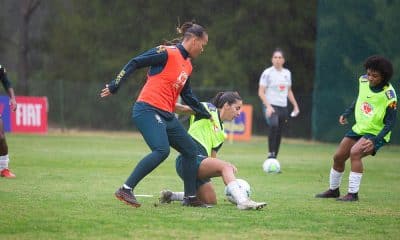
column 271, row 165
column 243, row 184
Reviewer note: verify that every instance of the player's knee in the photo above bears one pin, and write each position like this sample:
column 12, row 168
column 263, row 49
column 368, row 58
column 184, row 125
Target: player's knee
column 227, row 168
column 163, row 152
column 210, row 199
column 355, row 153
column 338, row 158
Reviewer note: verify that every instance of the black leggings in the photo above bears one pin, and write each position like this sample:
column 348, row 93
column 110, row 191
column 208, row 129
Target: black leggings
column 276, row 122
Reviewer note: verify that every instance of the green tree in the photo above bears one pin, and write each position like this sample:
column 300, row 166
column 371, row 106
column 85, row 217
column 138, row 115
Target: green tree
column 87, row 43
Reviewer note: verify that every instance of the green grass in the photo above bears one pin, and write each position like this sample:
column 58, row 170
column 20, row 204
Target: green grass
column 65, row 185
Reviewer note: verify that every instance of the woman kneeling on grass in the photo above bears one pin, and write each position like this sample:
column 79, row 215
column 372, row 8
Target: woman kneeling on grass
column 209, row 136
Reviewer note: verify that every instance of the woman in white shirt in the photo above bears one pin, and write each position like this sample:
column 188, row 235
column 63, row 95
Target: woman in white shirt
column 275, row 88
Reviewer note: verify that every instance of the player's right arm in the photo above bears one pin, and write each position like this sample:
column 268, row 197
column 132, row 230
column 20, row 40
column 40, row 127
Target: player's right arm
column 7, row 87
column 347, row 113
column 156, row 57
column 262, row 89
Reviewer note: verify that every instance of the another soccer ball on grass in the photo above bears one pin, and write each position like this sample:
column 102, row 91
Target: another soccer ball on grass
column 271, row 165
column 243, row 184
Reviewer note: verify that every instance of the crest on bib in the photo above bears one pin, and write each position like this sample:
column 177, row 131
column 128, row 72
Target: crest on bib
column 367, row 109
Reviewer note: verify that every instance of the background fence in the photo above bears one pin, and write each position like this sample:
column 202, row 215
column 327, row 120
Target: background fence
column 72, row 107
column 67, row 50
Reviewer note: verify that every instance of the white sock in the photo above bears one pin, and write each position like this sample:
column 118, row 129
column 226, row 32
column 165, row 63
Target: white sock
column 4, row 162
column 126, row 187
column 354, row 182
column 335, row 178
column 237, row 193
column 177, row 196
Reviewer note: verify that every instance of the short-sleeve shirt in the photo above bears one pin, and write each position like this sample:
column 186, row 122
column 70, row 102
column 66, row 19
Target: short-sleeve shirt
column 277, row 83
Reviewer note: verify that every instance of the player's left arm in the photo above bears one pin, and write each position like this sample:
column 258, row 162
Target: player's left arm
column 13, row 101
column 293, row 101
column 8, row 88
column 389, row 120
column 190, row 99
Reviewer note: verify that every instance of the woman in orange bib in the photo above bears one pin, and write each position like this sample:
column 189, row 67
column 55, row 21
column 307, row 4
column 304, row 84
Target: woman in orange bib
column 153, row 111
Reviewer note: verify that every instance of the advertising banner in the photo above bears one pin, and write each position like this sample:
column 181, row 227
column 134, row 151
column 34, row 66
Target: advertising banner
column 30, row 116
column 240, row 127
column 5, row 112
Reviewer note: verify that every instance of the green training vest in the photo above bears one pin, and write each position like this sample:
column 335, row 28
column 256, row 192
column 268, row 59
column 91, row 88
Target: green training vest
column 371, row 107
column 210, row 134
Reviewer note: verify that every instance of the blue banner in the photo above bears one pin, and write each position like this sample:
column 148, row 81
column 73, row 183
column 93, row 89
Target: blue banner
column 5, row 113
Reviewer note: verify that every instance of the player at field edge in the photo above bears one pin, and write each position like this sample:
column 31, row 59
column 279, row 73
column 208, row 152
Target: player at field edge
column 375, row 115
column 209, row 137
column 153, row 111
column 275, row 88
column 4, row 158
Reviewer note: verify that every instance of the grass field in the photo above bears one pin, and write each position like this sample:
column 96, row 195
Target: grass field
column 65, row 190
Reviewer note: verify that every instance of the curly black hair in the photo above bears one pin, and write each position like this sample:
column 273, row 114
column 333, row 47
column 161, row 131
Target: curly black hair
column 381, row 65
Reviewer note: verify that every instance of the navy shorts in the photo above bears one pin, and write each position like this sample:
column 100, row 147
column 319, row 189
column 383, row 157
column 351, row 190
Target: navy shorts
column 353, row 135
column 201, row 155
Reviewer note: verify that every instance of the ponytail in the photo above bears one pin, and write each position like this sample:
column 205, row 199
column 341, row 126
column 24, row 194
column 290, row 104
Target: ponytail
column 186, row 30
column 225, row 97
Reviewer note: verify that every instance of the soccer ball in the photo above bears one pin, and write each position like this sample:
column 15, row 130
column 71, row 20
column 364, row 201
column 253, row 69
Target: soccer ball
column 242, row 184
column 271, row 165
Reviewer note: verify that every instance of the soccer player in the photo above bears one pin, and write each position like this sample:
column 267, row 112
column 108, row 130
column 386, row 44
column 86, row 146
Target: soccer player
column 153, row 112
column 274, row 90
column 209, row 137
column 375, row 115
column 4, row 159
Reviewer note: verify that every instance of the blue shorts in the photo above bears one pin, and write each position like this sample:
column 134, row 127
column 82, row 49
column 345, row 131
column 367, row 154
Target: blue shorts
column 353, row 135
column 201, row 155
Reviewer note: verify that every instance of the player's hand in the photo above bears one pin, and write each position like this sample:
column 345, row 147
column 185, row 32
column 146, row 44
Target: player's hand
column 270, row 110
column 367, row 146
column 13, row 104
column 105, row 92
column 295, row 112
column 342, row 120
